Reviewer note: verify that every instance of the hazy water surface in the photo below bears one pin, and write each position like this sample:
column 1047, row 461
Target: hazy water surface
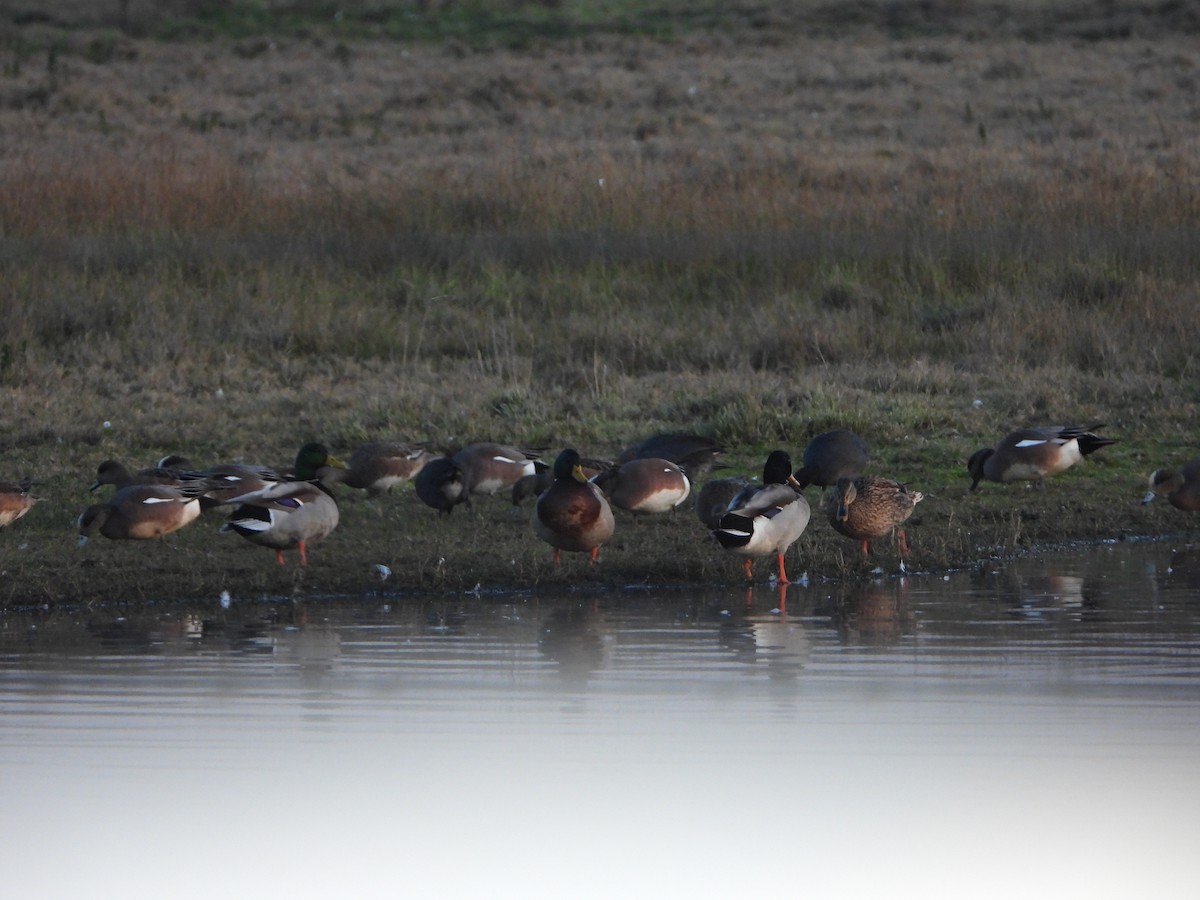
column 1032, row 730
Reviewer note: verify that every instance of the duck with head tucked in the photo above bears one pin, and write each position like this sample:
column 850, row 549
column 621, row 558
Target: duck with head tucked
column 292, row 513
column 572, row 514
column 832, row 455
column 765, row 519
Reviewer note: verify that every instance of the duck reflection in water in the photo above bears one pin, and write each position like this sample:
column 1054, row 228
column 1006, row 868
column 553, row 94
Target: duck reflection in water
column 870, row 612
column 572, row 636
column 759, row 632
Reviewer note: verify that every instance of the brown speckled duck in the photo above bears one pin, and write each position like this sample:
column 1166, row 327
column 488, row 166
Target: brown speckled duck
column 869, row 507
column 1180, row 487
column 1032, row 454
column 572, row 514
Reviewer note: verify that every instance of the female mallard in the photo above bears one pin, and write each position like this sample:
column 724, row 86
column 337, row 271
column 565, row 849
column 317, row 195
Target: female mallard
column 765, row 519
column 645, row 485
column 868, row 507
column 15, row 500
column 140, row 512
column 830, row 456
column 1031, row 454
column 288, row 514
column 1180, row 488
column 572, row 513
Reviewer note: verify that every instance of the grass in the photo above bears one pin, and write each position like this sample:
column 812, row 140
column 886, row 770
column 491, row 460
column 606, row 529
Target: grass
column 931, row 230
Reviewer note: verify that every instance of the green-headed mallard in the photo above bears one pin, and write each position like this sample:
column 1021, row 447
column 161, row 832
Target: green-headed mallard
column 765, row 519
column 1031, row 454
column 644, row 485
column 1180, row 487
column 572, row 514
column 287, row 514
column 868, row 507
column 830, row 456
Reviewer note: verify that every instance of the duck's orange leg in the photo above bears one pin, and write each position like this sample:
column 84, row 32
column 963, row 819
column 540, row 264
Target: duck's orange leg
column 279, row 557
column 782, row 572
column 866, row 550
column 749, row 569
column 303, row 554
column 595, row 555
column 902, row 543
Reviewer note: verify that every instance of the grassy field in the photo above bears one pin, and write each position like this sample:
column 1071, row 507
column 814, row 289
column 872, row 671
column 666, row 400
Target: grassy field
column 229, row 228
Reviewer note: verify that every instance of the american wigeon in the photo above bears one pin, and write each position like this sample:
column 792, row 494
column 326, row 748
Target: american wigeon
column 830, row 456
column 868, row 507
column 490, row 468
column 644, row 485
column 765, row 519
column 694, row 453
column 1180, row 487
column 442, row 484
column 286, row 514
column 572, row 514
column 713, row 498
column 118, row 475
column 1031, row 454
column 15, row 500
column 380, row 466
column 140, row 512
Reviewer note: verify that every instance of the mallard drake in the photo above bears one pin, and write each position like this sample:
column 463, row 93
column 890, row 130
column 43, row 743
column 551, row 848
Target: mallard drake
column 868, row 507
column 572, row 514
column 1031, row 454
column 765, row 519
column 378, row 467
column 442, row 484
column 15, row 500
column 1181, row 487
column 140, row 512
column 712, row 500
column 491, row 468
column 645, row 485
column 830, row 456
column 531, row 485
column 286, row 514
column 694, row 453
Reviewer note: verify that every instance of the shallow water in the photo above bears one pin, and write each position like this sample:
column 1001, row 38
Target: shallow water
column 1032, row 730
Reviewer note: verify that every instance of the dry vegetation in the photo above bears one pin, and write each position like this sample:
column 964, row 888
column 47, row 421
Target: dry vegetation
column 225, row 233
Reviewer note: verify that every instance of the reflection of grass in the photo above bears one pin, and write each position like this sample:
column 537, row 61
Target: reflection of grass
column 571, row 246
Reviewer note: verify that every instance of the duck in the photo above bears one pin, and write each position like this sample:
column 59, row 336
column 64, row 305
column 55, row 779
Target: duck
column 832, row 455
column 380, row 466
column 1033, row 454
column 442, row 484
column 573, row 514
column 531, row 485
column 490, row 468
column 712, row 500
column 1180, row 488
column 227, row 481
column 112, row 472
column 765, row 519
column 140, row 512
column 870, row 506
column 15, row 500
column 645, row 485
column 291, row 513
column 695, row 454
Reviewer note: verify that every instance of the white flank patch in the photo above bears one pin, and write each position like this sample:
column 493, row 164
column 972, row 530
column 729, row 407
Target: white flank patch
column 252, row 524
column 150, row 500
column 1030, row 442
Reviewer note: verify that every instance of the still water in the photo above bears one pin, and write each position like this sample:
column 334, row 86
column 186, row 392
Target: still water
column 1031, row 730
